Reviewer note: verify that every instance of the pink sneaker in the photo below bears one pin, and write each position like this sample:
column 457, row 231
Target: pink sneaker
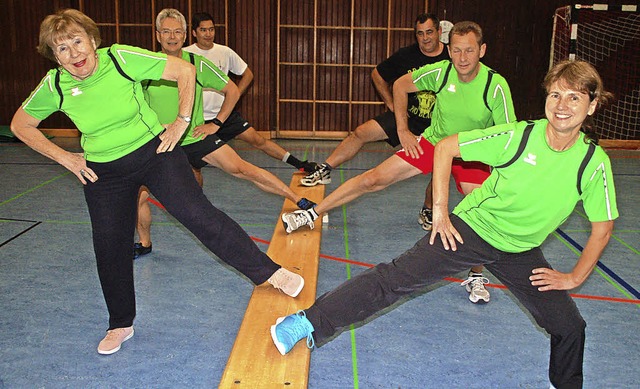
column 114, row 339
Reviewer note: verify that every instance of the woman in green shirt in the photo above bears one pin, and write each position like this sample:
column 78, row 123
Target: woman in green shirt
column 126, row 147
column 541, row 170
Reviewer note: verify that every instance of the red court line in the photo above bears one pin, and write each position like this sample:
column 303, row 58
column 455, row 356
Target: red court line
column 457, row 280
column 155, row 202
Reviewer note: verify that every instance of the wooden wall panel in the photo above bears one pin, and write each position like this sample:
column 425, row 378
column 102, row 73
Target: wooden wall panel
column 333, row 83
column 101, row 11
column 336, row 13
column 296, row 116
column 297, row 83
column 333, row 46
column 108, row 36
column 370, row 14
column 403, row 13
column 332, row 117
column 296, row 45
column 254, row 39
column 364, row 49
column 297, row 12
column 363, row 89
column 135, row 12
column 518, row 39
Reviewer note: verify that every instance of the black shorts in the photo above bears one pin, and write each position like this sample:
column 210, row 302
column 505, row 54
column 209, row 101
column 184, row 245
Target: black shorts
column 232, row 127
column 387, row 121
column 196, row 151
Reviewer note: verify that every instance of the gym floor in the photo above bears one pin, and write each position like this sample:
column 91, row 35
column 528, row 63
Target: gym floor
column 190, row 305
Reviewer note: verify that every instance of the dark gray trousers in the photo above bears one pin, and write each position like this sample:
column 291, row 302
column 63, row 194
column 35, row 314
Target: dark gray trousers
column 112, row 202
column 424, row 264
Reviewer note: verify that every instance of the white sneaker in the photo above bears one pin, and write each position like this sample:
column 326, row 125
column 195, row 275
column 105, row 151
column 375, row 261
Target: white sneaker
column 288, row 282
column 475, row 286
column 320, row 176
column 296, row 219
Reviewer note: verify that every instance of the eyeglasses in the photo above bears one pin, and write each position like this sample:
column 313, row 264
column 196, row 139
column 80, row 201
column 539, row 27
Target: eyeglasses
column 168, row 33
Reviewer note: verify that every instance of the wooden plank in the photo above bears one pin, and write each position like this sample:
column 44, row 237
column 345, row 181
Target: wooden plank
column 254, row 361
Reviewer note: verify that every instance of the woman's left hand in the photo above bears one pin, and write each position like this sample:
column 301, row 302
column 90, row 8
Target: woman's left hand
column 171, row 136
column 442, row 226
column 548, row 279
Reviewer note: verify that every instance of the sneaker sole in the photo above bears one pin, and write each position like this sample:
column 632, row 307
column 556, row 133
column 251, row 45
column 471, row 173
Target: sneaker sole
column 310, row 184
column 286, row 226
column 274, row 338
column 115, row 350
column 425, row 226
column 477, row 300
column 297, row 292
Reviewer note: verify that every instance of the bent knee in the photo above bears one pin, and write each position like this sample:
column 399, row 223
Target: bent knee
column 368, row 132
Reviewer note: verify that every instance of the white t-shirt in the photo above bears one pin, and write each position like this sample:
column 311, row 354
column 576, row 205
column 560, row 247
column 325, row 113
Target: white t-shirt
column 228, row 61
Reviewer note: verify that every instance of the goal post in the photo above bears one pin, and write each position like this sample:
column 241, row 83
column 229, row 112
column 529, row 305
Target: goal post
column 608, row 37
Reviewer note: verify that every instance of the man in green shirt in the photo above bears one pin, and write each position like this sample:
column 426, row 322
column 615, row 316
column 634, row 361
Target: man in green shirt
column 469, row 96
column 201, row 149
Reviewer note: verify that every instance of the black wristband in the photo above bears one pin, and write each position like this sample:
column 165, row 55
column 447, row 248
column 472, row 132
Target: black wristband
column 217, row 122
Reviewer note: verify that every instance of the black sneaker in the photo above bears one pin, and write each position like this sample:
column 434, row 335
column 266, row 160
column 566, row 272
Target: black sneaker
column 140, row 250
column 309, row 167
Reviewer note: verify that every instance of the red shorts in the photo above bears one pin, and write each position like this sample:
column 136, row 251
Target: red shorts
column 470, row 172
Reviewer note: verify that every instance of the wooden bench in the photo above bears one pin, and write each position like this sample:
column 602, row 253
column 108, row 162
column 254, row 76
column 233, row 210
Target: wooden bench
column 254, row 361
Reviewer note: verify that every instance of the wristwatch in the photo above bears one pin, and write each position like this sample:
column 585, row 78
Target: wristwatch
column 185, row 118
column 217, row 122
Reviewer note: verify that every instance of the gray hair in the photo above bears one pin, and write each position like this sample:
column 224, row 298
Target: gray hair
column 170, row 13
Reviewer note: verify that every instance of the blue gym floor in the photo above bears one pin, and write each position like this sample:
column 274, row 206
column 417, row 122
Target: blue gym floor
column 52, row 314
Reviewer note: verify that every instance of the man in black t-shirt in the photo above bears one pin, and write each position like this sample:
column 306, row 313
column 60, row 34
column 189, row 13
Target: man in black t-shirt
column 428, row 49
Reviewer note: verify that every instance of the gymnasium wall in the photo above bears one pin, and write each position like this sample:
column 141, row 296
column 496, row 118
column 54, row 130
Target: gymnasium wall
column 517, row 33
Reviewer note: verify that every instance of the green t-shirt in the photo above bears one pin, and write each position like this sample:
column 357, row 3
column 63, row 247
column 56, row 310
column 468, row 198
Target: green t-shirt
column 108, row 109
column 460, row 106
column 519, row 205
column 163, row 98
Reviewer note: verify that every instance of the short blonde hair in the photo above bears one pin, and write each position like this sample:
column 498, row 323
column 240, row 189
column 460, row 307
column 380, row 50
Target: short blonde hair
column 465, row 27
column 62, row 25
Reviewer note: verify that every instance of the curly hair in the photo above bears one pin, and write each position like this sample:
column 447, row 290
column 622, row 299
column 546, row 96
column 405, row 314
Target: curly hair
column 63, row 25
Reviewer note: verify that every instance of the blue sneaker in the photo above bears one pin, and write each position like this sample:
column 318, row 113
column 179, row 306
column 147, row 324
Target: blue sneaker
column 305, row 204
column 290, row 329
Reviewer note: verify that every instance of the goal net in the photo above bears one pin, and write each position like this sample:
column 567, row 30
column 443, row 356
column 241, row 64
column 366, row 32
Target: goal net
column 608, row 37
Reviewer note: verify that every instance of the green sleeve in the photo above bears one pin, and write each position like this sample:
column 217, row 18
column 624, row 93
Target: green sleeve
column 209, row 75
column 598, row 189
column 493, row 146
column 44, row 100
column 500, row 101
column 139, row 64
column 431, row 76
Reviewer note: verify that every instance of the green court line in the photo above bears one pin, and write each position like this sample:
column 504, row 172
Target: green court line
column 596, row 269
column 352, row 333
column 625, row 244
column 34, row 188
column 614, row 236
